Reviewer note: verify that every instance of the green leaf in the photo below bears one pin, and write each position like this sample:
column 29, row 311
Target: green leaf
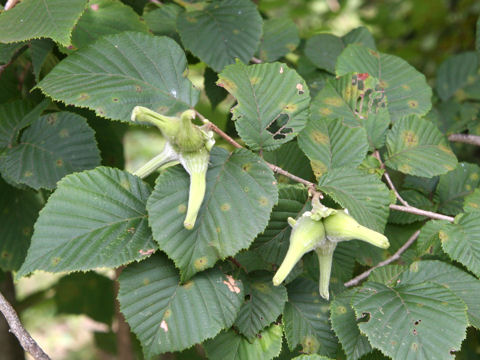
column 221, row 32
column 230, row 345
column 88, row 294
column 416, row 147
column 262, row 306
column 387, row 275
column 311, row 357
column 55, row 145
column 454, row 186
column 237, row 184
column 465, row 286
column 305, row 319
column 272, row 243
column 272, row 103
column 345, row 326
column 280, row 36
column 461, row 241
column 456, row 72
column 19, row 212
column 169, row 316
column 7, row 51
column 163, row 20
column 14, row 116
column 98, row 219
column 324, row 49
column 40, row 49
column 477, row 42
column 33, row 19
column 330, row 144
column 428, row 242
column 104, row 17
column 406, row 89
column 364, row 195
column 118, row 72
column 413, row 198
column 472, row 201
column 412, row 321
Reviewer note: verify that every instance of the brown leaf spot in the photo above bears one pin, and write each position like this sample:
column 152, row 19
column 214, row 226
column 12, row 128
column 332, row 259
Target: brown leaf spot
column 341, row 310
column 52, row 119
column 225, row 207
column 59, row 162
column 231, row 284
column 263, row 201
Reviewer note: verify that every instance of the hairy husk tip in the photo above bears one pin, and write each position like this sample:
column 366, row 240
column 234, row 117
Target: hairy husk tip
column 196, row 164
column 306, row 235
column 325, row 257
column 168, row 125
column 341, row 226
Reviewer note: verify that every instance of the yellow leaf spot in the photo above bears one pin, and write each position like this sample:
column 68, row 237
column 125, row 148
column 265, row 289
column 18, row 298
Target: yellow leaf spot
column 236, row 31
column 412, row 103
column 200, row 263
column 27, row 174
column 325, row 111
column 263, row 201
column 6, row 255
column 254, row 80
column 262, row 287
column 125, row 184
column 64, row 133
column 182, row 208
column 443, row 236
column 218, row 230
column 191, row 19
column 146, row 281
column 405, row 87
column 56, row 260
column 227, row 84
column 333, row 101
column 167, row 314
column 225, row 207
column 310, row 345
column 318, row 167
column 188, row 285
column 414, row 267
column 374, row 53
column 231, row 284
column 319, row 137
column 291, row 46
column 468, row 187
column 414, row 346
column 383, row 84
column 409, row 138
column 405, row 168
column 472, row 205
column 474, row 176
column 290, row 107
column 59, row 162
column 341, row 310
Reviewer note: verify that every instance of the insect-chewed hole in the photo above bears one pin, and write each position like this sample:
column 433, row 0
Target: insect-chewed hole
column 278, row 127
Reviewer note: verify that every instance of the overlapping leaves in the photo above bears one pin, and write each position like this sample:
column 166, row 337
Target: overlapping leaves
column 96, row 218
column 239, row 186
column 121, row 71
column 32, row 19
column 169, row 316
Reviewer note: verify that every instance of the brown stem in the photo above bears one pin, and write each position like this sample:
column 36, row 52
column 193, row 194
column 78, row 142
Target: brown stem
column 16, row 327
column 465, row 138
column 124, row 340
column 391, row 259
column 376, row 154
column 414, row 210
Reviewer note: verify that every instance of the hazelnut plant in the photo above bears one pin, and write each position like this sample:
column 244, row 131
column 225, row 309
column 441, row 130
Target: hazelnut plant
column 231, row 240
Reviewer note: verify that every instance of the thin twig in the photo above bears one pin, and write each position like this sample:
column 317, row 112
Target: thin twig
column 376, row 154
column 10, row 4
column 274, row 168
column 416, row 211
column 465, row 138
column 16, row 327
column 391, row 259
